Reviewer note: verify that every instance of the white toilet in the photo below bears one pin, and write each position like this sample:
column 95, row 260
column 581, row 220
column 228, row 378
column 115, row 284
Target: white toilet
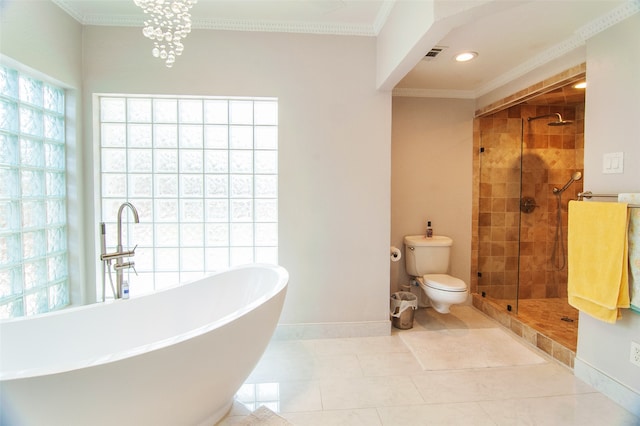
column 427, row 260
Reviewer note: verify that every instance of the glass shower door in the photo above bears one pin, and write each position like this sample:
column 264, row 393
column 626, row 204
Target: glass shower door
column 499, row 210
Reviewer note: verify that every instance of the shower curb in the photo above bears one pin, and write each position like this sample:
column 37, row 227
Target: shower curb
column 530, row 335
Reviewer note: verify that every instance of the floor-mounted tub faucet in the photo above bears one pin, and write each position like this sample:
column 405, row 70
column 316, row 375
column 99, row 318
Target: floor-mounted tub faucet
column 119, row 255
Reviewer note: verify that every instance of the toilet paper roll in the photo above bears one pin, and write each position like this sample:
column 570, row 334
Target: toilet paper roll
column 395, row 254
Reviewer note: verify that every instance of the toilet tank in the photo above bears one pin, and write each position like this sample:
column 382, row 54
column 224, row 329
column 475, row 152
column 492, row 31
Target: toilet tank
column 427, row 255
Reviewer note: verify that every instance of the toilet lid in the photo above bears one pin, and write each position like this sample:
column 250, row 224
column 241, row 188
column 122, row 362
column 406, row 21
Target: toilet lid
column 444, row 282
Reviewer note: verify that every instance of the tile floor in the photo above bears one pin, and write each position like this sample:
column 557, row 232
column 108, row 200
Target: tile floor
column 554, row 316
column 457, row 369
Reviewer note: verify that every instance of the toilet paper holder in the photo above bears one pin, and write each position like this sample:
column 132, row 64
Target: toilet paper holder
column 396, row 254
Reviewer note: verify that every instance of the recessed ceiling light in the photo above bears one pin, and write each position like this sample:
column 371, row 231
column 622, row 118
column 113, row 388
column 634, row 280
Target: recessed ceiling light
column 465, row 56
column 581, row 85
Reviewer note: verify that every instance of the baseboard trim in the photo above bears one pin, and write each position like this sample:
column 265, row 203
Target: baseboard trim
column 616, row 391
column 332, row 330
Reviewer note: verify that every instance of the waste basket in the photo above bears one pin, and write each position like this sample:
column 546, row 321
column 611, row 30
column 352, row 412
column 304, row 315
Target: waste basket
column 403, row 306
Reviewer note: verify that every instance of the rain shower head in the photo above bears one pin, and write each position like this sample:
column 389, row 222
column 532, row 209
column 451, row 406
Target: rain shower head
column 559, row 122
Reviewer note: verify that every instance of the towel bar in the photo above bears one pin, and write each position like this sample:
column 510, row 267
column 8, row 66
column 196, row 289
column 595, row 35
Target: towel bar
column 589, row 195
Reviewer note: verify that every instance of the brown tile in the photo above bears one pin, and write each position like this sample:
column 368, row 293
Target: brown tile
column 538, row 291
column 500, row 124
column 526, row 249
column 499, row 190
column 497, row 249
column 485, row 190
column 556, row 141
column 485, row 204
column 477, row 301
column 498, row 204
column 544, row 343
column 530, row 335
column 498, row 233
column 539, row 141
column 569, row 141
column 497, row 277
column 563, row 354
column 514, row 111
column 548, row 314
column 516, row 327
column 511, row 263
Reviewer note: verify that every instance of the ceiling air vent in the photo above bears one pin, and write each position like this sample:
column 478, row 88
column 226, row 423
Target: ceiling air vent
column 433, row 53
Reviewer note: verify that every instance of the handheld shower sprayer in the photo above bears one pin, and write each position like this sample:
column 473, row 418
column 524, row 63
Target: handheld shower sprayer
column 574, row 177
column 558, row 255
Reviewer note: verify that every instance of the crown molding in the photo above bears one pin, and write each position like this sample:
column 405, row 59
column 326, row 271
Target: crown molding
column 285, row 27
column 535, row 62
column 326, row 28
column 113, row 21
column 617, row 15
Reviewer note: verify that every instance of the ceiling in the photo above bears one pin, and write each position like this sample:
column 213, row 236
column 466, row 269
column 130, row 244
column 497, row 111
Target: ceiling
column 511, row 37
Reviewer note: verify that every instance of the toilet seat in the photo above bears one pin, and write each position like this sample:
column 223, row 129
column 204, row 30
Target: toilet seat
column 444, row 282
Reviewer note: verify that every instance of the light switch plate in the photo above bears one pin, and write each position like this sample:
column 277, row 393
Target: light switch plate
column 613, row 162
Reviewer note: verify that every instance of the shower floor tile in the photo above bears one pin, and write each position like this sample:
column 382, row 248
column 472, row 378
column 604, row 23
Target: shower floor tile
column 553, row 317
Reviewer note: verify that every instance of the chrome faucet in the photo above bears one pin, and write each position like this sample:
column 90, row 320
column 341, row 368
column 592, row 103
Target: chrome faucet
column 119, row 255
column 120, row 265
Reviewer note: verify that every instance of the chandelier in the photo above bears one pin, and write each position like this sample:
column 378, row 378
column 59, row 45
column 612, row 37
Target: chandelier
column 168, row 24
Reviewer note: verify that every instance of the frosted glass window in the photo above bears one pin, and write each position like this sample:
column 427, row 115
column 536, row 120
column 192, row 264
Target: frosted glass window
column 34, row 272
column 216, row 111
column 139, row 110
column 203, row 170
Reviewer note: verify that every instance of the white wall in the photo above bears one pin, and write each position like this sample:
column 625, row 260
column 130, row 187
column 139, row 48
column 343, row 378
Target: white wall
column 334, row 152
column 41, row 36
column 612, row 125
column 334, row 136
column 431, row 176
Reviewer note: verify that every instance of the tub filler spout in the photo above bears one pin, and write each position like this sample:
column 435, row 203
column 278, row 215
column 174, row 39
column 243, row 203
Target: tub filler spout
column 118, row 256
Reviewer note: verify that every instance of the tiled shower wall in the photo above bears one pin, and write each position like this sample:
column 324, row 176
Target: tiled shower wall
column 507, row 238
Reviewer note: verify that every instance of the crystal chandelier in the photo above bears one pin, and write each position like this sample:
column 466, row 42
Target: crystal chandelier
column 168, row 24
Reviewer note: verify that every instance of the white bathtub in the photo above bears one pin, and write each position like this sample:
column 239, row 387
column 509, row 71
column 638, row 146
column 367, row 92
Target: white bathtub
column 175, row 357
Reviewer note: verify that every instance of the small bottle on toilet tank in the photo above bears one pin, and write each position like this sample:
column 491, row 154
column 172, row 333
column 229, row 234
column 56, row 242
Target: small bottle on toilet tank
column 429, row 233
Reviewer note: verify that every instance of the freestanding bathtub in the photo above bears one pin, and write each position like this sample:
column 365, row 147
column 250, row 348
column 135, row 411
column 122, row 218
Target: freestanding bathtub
column 175, row 357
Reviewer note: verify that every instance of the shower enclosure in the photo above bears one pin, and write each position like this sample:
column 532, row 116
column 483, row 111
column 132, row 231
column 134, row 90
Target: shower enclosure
column 530, row 165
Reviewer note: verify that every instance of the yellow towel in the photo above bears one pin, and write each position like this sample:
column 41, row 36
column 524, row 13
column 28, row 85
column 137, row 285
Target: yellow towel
column 597, row 258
